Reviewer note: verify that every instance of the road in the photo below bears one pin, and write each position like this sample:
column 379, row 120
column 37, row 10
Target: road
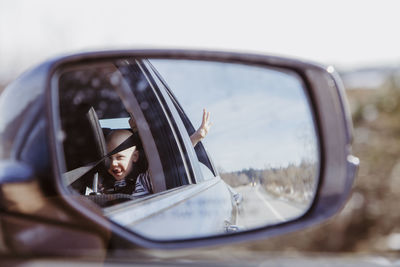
column 259, row 208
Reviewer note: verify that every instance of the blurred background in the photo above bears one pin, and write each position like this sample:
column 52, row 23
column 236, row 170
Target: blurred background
column 359, row 38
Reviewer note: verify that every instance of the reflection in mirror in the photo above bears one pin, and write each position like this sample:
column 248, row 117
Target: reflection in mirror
column 128, row 128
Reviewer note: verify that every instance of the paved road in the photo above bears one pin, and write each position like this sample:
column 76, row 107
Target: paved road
column 259, row 208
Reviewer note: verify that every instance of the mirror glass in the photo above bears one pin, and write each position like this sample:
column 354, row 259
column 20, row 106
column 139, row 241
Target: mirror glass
column 178, row 149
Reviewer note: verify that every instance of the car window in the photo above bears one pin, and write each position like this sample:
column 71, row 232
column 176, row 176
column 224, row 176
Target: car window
column 91, row 110
column 203, row 157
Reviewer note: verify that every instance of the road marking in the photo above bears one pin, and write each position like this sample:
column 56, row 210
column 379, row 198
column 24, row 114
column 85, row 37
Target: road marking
column 269, row 205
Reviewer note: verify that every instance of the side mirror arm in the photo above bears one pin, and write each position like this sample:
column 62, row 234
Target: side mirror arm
column 15, row 172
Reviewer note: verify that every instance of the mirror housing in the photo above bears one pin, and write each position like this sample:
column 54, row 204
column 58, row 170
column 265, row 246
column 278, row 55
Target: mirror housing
column 332, row 119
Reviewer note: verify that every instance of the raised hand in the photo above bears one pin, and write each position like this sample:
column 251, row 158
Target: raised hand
column 203, row 129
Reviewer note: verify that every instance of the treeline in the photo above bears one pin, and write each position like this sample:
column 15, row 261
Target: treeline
column 296, row 182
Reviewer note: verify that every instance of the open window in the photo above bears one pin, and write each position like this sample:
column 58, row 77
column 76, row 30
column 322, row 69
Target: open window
column 98, row 99
column 201, row 153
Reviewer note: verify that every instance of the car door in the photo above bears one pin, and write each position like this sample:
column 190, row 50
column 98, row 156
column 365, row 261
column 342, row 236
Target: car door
column 187, row 192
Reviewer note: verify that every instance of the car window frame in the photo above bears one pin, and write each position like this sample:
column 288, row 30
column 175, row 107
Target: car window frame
column 182, row 136
column 202, row 154
column 170, row 154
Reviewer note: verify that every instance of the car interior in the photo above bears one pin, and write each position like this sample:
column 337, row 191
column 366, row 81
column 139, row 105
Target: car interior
column 84, row 145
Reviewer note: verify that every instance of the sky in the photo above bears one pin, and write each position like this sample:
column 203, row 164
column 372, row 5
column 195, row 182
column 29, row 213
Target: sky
column 260, row 117
column 343, row 33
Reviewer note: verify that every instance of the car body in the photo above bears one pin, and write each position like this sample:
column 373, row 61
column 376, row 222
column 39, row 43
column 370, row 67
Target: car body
column 37, row 197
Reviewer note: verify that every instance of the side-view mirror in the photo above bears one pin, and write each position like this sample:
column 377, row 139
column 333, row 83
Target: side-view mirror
column 272, row 154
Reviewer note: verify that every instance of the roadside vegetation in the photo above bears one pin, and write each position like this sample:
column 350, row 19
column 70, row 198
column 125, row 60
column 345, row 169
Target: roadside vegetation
column 295, row 183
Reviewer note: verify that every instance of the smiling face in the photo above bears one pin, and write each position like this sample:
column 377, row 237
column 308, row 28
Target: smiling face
column 121, row 162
